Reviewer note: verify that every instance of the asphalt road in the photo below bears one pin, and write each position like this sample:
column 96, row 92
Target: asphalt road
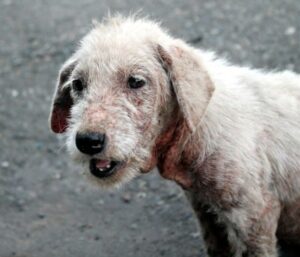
column 47, row 207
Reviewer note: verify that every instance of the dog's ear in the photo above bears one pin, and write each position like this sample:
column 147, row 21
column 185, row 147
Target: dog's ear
column 191, row 83
column 62, row 99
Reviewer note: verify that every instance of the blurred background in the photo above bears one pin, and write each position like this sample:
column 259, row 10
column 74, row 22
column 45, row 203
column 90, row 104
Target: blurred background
column 47, row 207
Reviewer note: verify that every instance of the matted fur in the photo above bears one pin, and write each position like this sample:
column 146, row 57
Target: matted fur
column 229, row 135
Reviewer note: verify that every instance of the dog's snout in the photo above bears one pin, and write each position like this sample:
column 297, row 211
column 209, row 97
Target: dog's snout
column 90, row 143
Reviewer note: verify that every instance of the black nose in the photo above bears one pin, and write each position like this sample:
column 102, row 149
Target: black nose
column 90, row 143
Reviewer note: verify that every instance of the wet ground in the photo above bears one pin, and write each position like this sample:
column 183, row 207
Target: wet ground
column 47, row 207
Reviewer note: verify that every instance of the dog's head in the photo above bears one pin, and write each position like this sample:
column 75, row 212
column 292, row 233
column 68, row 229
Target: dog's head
column 118, row 96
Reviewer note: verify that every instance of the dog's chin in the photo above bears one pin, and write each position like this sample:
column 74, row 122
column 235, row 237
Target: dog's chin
column 110, row 174
column 106, row 173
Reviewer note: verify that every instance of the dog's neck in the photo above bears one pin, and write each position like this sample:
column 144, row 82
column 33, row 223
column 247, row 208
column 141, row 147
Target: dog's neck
column 176, row 153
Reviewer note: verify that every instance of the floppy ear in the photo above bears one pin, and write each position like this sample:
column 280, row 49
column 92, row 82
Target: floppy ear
column 191, row 83
column 62, row 100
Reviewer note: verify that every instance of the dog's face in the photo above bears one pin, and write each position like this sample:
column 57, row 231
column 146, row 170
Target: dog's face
column 114, row 100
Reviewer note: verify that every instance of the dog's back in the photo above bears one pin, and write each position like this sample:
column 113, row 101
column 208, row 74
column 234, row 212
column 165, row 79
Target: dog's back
column 260, row 113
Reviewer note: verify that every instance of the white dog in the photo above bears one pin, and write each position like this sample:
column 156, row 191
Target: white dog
column 132, row 97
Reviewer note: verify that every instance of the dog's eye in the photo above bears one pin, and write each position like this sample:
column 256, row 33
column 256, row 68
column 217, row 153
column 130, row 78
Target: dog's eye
column 136, row 82
column 77, row 85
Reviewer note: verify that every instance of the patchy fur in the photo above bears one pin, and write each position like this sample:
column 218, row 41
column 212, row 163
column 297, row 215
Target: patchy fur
column 229, row 135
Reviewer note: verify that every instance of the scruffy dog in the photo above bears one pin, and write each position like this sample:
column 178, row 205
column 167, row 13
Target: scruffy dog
column 132, row 97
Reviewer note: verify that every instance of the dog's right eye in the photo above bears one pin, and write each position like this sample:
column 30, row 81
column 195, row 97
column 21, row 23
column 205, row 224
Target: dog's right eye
column 135, row 82
column 77, row 85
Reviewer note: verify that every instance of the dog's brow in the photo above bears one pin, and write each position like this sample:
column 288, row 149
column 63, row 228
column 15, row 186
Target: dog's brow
column 138, row 70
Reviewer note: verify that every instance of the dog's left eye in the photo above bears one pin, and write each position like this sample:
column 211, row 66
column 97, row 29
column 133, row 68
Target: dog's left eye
column 77, row 85
column 136, row 82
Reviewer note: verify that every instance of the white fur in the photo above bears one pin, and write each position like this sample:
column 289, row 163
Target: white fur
column 249, row 134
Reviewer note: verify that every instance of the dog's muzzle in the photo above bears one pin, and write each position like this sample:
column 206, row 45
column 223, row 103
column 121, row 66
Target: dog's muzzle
column 92, row 143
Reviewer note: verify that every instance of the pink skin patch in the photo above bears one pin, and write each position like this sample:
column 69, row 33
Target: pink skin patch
column 59, row 122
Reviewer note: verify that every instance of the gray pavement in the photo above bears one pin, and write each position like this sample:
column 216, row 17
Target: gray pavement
column 47, row 207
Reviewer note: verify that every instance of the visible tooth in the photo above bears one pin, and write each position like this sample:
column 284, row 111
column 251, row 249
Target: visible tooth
column 108, row 165
column 101, row 169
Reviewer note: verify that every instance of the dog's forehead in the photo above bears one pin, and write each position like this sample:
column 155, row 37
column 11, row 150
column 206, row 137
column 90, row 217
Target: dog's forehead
column 120, row 42
column 118, row 52
column 104, row 57
column 104, row 62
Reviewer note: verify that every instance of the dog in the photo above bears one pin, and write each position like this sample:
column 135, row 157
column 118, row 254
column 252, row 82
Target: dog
column 132, row 98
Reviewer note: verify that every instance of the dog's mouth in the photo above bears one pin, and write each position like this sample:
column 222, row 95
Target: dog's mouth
column 103, row 168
